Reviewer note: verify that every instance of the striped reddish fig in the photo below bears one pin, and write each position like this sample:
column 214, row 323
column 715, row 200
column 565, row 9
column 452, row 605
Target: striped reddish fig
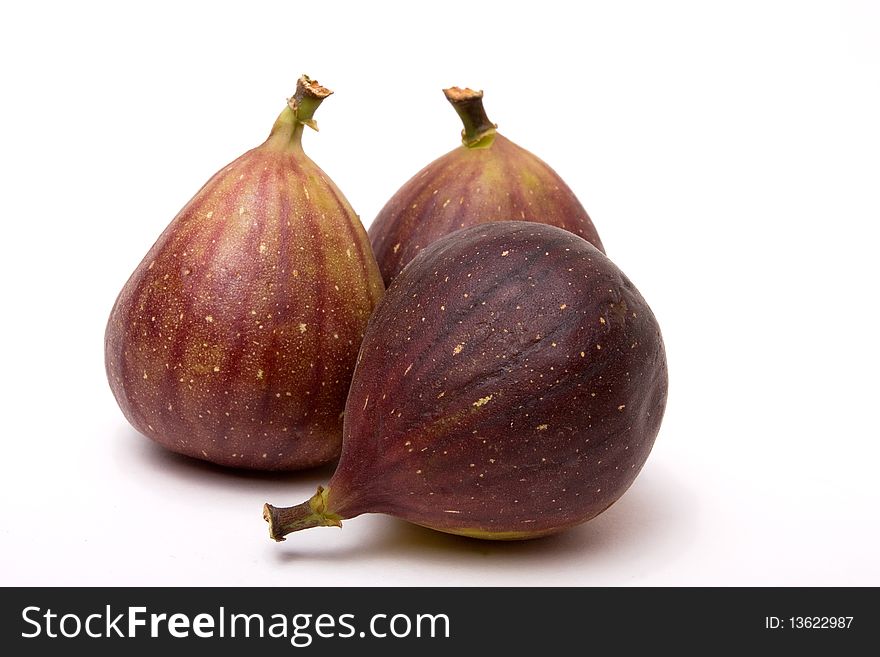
column 235, row 339
column 487, row 178
column 510, row 385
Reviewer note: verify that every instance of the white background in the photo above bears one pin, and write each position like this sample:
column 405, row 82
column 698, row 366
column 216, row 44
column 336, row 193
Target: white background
column 729, row 154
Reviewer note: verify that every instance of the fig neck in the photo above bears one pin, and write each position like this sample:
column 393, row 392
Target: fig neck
column 289, row 126
column 312, row 513
column 479, row 131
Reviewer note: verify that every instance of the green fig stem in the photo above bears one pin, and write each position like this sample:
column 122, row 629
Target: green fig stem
column 313, row 513
column 288, row 129
column 479, row 131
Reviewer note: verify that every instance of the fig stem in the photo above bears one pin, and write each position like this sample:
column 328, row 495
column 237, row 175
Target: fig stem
column 312, row 513
column 289, row 125
column 479, row 131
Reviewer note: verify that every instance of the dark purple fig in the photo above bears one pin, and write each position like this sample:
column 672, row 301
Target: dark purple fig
column 487, row 178
column 235, row 339
column 509, row 385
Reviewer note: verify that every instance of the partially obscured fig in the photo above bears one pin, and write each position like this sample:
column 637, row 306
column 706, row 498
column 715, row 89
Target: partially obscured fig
column 235, row 339
column 487, row 178
column 510, row 385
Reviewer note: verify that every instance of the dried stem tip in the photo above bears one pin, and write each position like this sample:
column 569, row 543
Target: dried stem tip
column 305, row 86
column 305, row 100
column 479, row 131
column 312, row 513
column 459, row 95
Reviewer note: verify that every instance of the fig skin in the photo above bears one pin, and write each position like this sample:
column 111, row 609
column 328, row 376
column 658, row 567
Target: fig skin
column 510, row 385
column 485, row 179
column 235, row 339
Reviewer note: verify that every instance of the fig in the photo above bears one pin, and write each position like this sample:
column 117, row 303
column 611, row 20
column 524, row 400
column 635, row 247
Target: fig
column 235, row 339
column 510, row 385
column 485, row 179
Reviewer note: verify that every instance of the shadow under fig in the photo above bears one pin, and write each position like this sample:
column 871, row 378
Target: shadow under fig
column 160, row 459
column 653, row 518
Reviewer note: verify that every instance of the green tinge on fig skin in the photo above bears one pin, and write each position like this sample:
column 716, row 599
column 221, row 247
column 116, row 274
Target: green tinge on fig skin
column 488, row 178
column 510, row 384
column 235, row 339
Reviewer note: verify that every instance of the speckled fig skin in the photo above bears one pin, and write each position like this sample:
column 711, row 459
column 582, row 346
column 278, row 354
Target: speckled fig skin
column 235, row 339
column 510, row 385
column 485, row 179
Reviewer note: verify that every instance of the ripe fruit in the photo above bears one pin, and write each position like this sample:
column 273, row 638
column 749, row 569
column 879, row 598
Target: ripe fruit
column 487, row 178
column 235, row 339
column 509, row 385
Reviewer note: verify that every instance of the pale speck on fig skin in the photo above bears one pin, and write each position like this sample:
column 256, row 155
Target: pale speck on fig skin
column 482, row 401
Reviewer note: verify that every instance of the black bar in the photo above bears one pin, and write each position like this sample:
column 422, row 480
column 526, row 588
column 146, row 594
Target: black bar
column 516, row 620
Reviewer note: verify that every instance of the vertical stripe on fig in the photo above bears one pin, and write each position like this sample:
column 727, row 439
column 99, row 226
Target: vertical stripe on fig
column 358, row 238
column 228, row 209
column 286, row 252
column 125, row 369
column 250, row 244
column 213, row 182
column 399, row 218
column 285, row 248
column 232, row 196
column 462, row 212
column 579, row 224
column 265, row 217
column 208, row 244
column 423, row 181
column 170, row 388
column 312, row 231
column 512, row 165
column 175, row 227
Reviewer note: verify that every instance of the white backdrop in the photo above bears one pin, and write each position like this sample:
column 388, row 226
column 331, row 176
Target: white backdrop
column 728, row 153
